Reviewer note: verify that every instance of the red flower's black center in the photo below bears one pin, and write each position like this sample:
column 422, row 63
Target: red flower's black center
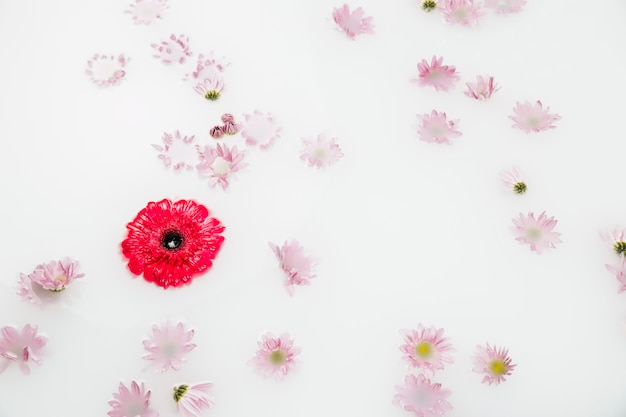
column 172, row 240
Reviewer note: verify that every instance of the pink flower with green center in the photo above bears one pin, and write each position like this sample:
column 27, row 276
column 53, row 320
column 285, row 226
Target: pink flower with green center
column 422, row 397
column 219, row 163
column 210, row 88
column 22, row 347
column 56, row 275
column 620, row 273
column 505, row 6
column 617, row 238
column 536, row 232
column 147, row 11
column 482, row 89
column 297, row 265
column 192, row 399
column 321, row 152
column 533, row 117
column 462, row 12
column 441, row 77
column 426, row 349
column 494, row 363
column 353, row 23
column 168, row 345
column 436, row 128
column 276, row 355
column 513, row 180
column 133, row 402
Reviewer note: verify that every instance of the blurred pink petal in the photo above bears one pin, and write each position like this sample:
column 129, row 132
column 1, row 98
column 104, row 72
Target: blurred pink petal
column 192, row 399
column 435, row 128
column 441, row 77
column 147, row 11
column 168, row 346
column 321, row 152
column 219, row 163
column 482, row 89
column 353, row 23
column 462, row 12
column 276, row 355
column 26, row 290
column 106, row 70
column 299, row 268
column 178, row 151
column 537, row 232
column 260, row 129
column 513, row 180
column 20, row 347
column 494, row 363
column 133, row 402
column 533, row 117
column 207, row 67
column 175, row 49
column 620, row 274
column 420, row 396
column 505, row 6
column 426, row 349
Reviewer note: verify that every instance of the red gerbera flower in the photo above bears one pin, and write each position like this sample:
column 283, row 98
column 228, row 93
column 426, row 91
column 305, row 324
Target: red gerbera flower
column 170, row 242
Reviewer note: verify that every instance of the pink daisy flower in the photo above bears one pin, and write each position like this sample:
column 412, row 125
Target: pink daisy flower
column 192, row 399
column 56, row 275
column 441, row 77
column 168, row 345
column 536, row 232
column 178, row 151
column 513, row 180
column 299, row 268
column 435, row 128
column 617, row 238
column 20, row 347
column 505, row 6
column 321, row 152
column 147, row 11
column 420, row 396
column 482, row 89
column 133, row 402
column 106, row 70
column 494, row 363
column 353, row 23
column 620, row 274
column 533, row 117
column 207, row 67
column 211, row 88
column 426, row 349
column 276, row 355
column 462, row 12
column 176, row 49
column 219, row 163
column 260, row 129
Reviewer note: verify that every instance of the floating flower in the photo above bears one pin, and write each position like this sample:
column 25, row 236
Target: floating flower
column 178, row 150
column 435, row 128
column 482, row 89
column 536, row 232
column 216, row 132
column 260, row 129
column 513, row 180
column 276, row 355
column 133, row 402
column 462, row 12
column 208, row 67
column 620, row 274
column 176, row 49
column 106, row 70
column 494, row 363
column 168, row 345
column 441, row 77
column 211, row 89
column 190, row 400
column 321, row 152
column 299, row 268
column 420, row 396
column 426, row 348
column 429, row 5
column 353, row 23
column 20, row 347
column 230, row 128
column 617, row 238
column 533, row 117
column 219, row 163
column 227, row 117
column 505, row 6
column 147, row 11
column 54, row 276
column 171, row 243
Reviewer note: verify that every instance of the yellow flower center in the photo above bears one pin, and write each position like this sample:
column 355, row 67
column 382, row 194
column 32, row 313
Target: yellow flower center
column 277, row 357
column 620, row 247
column 497, row 367
column 534, row 234
column 424, row 350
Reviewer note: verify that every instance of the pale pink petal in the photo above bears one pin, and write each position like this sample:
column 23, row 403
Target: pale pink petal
column 321, row 152
column 536, row 232
column 106, row 70
column 436, row 128
column 178, row 152
column 168, row 346
column 147, row 11
column 440, row 77
column 533, row 117
column 352, row 23
column 462, row 12
column 297, row 265
column 260, row 129
column 173, row 50
column 422, row 397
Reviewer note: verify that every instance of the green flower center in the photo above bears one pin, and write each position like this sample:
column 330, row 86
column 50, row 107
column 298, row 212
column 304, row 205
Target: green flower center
column 620, row 247
column 179, row 392
column 424, row 350
column 429, row 5
column 212, row 95
column 277, row 357
column 519, row 188
column 497, row 367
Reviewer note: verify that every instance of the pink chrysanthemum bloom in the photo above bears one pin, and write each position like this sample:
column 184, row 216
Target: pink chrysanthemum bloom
column 56, row 275
column 211, row 89
column 435, row 128
column 536, row 232
column 147, row 11
column 168, row 345
column 133, row 402
column 106, row 70
column 20, row 347
column 178, row 151
column 207, row 67
column 321, row 152
column 192, row 399
column 260, row 129
column 505, row 6
column 353, row 23
column 462, row 12
column 533, row 117
column 176, row 49
column 620, row 273
column 420, row 396
column 219, row 163
column 494, row 363
column 441, row 77
column 482, row 89
column 617, row 238
column 299, row 268
column 426, row 349
column 513, row 180
column 276, row 355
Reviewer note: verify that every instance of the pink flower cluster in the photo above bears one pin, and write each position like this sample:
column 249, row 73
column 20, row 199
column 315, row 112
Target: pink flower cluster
column 229, row 127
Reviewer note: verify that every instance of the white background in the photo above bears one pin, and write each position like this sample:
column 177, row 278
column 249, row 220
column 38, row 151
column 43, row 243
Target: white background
column 406, row 232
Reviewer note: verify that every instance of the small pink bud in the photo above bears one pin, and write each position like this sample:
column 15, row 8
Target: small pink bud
column 230, row 128
column 216, row 132
column 227, row 117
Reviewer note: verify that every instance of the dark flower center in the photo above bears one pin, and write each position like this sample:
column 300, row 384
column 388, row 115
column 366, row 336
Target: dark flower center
column 172, row 240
